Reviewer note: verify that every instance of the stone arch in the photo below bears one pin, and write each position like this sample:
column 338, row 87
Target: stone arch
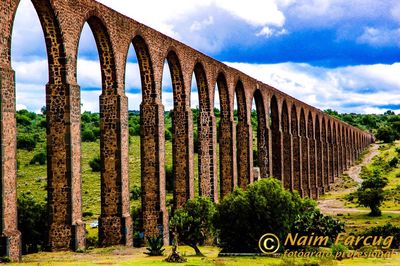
column 276, row 139
column 243, row 138
column 66, row 229
column 149, row 91
column 305, row 177
column 154, row 214
column 287, row 158
column 226, row 138
column 262, row 135
column 312, row 156
column 296, row 167
column 183, row 182
column 114, row 221
column 207, row 182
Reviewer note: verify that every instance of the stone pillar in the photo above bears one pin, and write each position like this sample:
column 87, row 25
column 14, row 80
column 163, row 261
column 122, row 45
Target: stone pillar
column 313, row 169
column 334, row 168
column 287, row 160
column 181, row 156
column 10, row 239
column 305, row 166
column 154, row 212
column 207, row 182
column 277, row 155
column 66, row 229
column 263, row 149
column 243, row 154
column 115, row 223
column 226, row 154
column 320, row 165
column 326, row 165
column 296, row 172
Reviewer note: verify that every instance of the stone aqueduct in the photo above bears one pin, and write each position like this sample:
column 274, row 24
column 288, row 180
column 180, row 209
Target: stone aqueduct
column 297, row 143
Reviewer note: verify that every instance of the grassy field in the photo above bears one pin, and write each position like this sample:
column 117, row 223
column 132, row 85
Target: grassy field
column 136, row 256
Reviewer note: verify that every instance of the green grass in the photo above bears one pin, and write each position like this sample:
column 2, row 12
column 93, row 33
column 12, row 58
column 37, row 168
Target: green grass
column 135, row 256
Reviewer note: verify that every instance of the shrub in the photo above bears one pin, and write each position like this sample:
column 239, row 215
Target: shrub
column 169, row 178
column 386, row 134
column 95, row 164
column 371, row 193
column 134, row 130
column 265, row 207
column 311, row 220
column 26, row 142
column 393, row 162
column 88, row 135
column 385, row 231
column 135, row 192
column 32, row 223
column 39, row 158
column 23, row 120
column 168, row 135
column 155, row 246
column 193, row 222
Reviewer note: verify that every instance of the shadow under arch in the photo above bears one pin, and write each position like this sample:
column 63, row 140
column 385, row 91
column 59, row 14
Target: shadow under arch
column 226, row 144
column 242, row 139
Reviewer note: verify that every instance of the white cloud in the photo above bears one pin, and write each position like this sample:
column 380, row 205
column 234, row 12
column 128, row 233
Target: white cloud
column 380, row 37
column 254, row 12
column 344, row 89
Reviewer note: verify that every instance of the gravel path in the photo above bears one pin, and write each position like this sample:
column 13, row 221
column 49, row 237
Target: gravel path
column 334, row 206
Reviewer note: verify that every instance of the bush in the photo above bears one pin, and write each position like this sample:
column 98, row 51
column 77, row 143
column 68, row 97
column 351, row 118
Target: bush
column 371, row 193
column 386, row 134
column 135, row 192
column 88, row 135
column 193, row 222
column 95, row 164
column 169, row 178
column 32, row 223
column 134, row 130
column 155, row 246
column 39, row 158
column 23, row 120
column 393, row 162
column 26, row 142
column 168, row 135
column 313, row 221
column 385, row 231
column 265, row 207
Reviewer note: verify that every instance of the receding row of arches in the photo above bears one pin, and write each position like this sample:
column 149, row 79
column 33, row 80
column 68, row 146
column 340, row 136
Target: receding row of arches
column 296, row 143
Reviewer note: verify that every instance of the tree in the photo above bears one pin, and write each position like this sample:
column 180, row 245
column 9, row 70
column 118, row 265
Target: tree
column 265, row 207
column 386, row 134
column 95, row 164
column 32, row 223
column 371, row 193
column 193, row 222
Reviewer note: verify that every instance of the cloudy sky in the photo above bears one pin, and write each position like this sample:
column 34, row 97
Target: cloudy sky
column 338, row 54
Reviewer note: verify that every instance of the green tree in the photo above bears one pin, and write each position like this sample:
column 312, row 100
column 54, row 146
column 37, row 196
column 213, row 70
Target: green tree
column 265, row 207
column 193, row 222
column 95, row 164
column 386, row 134
column 371, row 193
column 32, row 223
